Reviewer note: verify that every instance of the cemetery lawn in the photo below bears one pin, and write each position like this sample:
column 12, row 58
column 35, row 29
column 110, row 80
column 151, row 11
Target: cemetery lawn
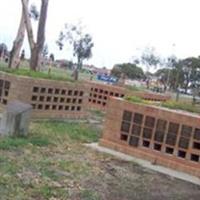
column 52, row 163
column 56, row 73
column 37, row 74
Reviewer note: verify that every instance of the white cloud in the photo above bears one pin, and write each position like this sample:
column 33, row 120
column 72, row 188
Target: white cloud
column 119, row 27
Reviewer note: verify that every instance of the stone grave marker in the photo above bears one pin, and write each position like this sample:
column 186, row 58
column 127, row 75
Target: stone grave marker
column 15, row 119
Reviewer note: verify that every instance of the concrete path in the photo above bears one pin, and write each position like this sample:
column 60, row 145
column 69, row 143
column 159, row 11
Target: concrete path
column 147, row 164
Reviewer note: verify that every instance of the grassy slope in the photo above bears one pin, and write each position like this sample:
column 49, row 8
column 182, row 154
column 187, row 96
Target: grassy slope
column 56, row 73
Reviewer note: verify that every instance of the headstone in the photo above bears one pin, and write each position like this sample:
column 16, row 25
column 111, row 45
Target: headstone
column 15, row 120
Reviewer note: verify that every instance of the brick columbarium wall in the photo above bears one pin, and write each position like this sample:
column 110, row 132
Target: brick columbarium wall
column 49, row 98
column 163, row 136
column 99, row 95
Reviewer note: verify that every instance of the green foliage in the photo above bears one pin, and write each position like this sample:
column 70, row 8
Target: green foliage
column 190, row 68
column 163, row 74
column 181, row 73
column 149, row 58
column 130, row 70
column 81, row 43
column 181, row 106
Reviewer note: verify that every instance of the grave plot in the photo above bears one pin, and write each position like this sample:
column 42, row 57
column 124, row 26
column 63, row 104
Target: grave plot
column 166, row 137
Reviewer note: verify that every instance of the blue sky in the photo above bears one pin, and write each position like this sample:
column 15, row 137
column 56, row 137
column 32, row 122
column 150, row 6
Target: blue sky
column 120, row 28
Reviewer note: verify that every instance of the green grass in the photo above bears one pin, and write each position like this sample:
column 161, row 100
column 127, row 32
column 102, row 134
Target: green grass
column 52, row 163
column 134, row 99
column 80, row 132
column 181, row 105
column 134, row 88
column 43, row 132
column 171, row 104
column 89, row 195
column 56, row 73
column 7, row 166
column 37, row 74
column 15, row 142
column 48, row 192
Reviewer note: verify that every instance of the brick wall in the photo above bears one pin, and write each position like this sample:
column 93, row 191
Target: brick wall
column 61, row 99
column 49, row 98
column 99, row 94
column 160, row 135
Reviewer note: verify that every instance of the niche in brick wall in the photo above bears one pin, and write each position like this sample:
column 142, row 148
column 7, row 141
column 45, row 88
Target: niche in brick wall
column 56, row 99
column 4, row 91
column 170, row 138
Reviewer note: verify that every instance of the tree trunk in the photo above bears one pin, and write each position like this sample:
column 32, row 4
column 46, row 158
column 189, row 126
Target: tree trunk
column 34, row 60
column 177, row 86
column 36, row 47
column 76, row 74
column 14, row 60
column 41, row 33
column 76, row 71
column 187, row 84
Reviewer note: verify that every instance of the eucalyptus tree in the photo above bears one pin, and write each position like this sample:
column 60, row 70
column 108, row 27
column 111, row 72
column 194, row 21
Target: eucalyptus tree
column 80, row 42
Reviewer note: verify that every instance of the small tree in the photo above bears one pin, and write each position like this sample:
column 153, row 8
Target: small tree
column 81, row 43
column 149, row 58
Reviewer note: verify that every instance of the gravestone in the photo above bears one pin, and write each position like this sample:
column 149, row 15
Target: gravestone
column 15, row 120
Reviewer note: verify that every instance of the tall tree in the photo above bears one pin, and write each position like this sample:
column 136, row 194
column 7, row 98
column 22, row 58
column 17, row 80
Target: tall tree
column 130, row 70
column 170, row 62
column 17, row 44
column 149, row 58
column 190, row 67
column 36, row 47
column 82, row 44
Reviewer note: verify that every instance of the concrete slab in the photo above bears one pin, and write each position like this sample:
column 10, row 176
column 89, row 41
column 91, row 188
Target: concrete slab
column 147, row 164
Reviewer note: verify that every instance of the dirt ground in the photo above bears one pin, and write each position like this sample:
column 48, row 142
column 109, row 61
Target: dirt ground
column 57, row 166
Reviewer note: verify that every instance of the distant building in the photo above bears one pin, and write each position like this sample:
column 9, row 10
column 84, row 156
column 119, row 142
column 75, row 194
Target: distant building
column 96, row 70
